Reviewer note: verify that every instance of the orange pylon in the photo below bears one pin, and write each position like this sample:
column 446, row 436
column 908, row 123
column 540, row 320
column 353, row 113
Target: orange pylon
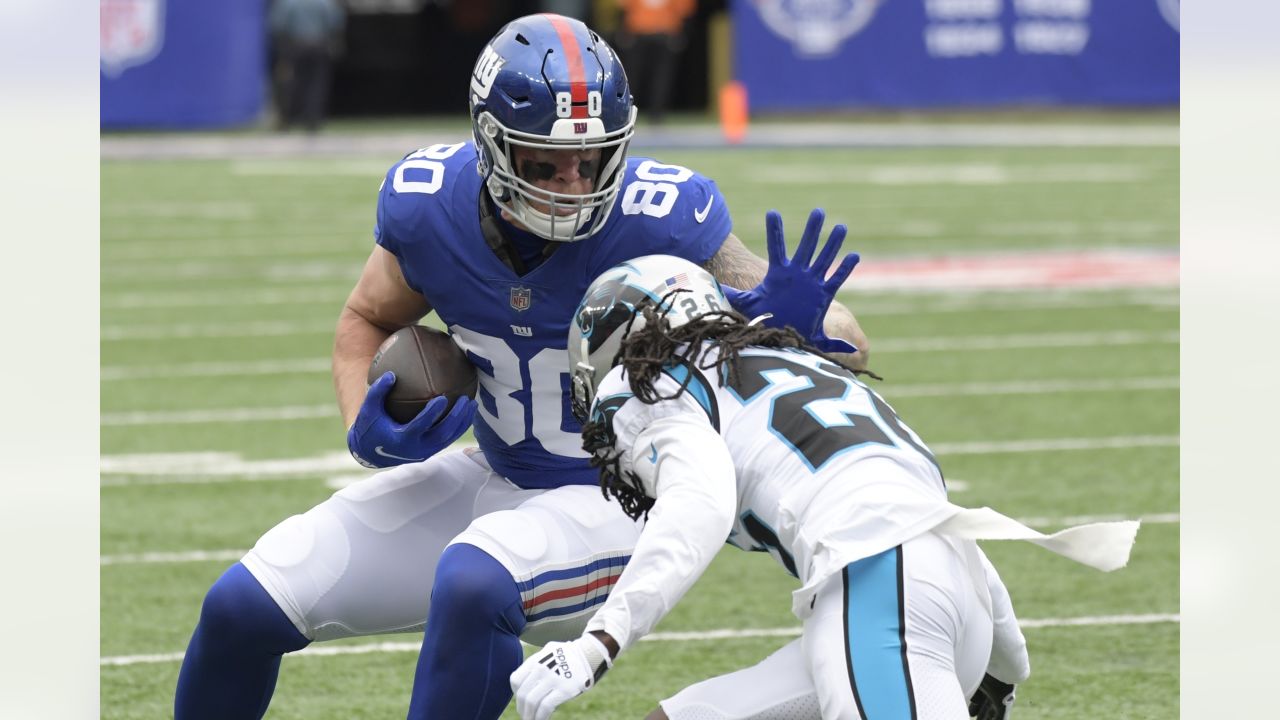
column 733, row 111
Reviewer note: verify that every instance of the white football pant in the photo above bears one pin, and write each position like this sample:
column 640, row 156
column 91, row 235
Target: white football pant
column 903, row 635
column 363, row 561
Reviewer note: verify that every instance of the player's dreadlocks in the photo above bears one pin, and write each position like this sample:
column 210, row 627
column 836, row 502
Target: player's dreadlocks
column 646, row 352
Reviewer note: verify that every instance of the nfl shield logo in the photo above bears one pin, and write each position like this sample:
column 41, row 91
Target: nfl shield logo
column 521, row 297
column 131, row 32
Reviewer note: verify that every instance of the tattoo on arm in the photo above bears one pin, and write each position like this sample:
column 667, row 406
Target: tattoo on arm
column 736, row 266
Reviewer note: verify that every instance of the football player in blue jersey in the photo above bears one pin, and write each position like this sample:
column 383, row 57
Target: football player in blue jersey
column 713, row 427
column 510, row 540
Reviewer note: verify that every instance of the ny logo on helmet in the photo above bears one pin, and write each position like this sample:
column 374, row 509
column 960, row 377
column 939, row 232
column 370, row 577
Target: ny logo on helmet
column 487, row 68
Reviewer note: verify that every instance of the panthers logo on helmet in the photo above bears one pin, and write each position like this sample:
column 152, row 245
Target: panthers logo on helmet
column 816, row 29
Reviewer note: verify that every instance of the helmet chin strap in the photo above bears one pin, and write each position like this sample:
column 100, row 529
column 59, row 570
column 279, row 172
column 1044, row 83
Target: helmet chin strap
column 559, row 228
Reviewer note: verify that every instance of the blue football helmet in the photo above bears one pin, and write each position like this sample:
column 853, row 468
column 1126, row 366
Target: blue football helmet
column 550, row 82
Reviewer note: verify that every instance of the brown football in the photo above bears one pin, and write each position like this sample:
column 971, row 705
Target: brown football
column 427, row 363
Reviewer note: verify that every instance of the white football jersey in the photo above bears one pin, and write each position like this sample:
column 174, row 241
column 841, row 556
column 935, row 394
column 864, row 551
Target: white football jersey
column 826, row 473
column 793, row 456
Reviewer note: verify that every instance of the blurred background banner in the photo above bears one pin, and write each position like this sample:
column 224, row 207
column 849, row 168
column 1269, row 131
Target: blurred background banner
column 798, row 54
column 169, row 63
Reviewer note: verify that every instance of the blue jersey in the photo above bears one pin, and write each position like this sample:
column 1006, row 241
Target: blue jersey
column 515, row 328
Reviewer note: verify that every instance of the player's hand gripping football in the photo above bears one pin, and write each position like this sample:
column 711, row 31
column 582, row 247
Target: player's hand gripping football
column 993, row 701
column 376, row 440
column 795, row 292
column 556, row 673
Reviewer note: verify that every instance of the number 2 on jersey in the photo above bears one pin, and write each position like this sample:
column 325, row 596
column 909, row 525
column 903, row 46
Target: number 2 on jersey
column 820, row 419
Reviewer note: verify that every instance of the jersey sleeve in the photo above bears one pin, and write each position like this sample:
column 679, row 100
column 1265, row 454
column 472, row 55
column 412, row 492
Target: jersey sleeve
column 683, row 463
column 419, row 200
column 393, row 222
column 705, row 221
column 672, row 210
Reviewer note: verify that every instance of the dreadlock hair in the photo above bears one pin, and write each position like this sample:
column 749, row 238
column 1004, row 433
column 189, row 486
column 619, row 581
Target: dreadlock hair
column 646, row 352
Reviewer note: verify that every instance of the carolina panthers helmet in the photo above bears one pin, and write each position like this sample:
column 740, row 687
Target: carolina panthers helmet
column 548, row 81
column 612, row 308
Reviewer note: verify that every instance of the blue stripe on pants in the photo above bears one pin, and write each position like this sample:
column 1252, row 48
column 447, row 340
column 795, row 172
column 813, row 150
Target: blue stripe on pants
column 875, row 647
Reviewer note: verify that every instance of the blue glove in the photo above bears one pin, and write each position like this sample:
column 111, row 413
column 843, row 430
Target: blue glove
column 796, row 293
column 375, row 440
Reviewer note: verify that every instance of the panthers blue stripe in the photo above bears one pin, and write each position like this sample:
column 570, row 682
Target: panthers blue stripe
column 698, row 388
column 875, row 647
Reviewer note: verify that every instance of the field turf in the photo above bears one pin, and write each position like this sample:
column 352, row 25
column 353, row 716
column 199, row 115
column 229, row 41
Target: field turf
column 221, row 280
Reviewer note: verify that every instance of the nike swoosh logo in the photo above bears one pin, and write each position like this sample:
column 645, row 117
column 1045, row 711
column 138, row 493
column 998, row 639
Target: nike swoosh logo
column 379, row 451
column 701, row 215
column 653, row 456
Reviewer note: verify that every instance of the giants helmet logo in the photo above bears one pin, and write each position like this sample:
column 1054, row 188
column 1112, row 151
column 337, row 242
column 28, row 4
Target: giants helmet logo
column 486, row 71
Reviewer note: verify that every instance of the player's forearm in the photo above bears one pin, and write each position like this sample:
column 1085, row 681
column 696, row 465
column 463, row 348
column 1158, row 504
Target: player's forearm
column 692, row 475
column 840, row 323
column 680, row 540
column 1009, row 661
column 355, row 343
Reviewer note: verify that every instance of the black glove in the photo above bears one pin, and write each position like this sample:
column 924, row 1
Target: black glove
column 993, row 701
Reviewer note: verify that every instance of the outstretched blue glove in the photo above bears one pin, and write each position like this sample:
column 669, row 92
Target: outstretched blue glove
column 376, row 440
column 796, row 293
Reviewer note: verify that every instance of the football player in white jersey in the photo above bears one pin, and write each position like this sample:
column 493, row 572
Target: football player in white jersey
column 715, row 428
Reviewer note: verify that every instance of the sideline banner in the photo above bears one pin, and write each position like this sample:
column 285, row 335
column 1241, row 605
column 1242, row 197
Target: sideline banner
column 172, row 63
column 810, row 54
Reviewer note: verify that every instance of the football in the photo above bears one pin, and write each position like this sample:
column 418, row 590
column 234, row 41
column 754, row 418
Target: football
column 427, row 363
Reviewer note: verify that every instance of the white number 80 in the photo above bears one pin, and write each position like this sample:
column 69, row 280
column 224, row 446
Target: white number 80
column 564, row 104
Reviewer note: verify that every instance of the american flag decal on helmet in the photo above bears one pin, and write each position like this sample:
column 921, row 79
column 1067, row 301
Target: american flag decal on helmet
column 678, row 281
column 521, row 298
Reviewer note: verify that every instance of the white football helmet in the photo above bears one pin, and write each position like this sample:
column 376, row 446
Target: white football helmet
column 611, row 309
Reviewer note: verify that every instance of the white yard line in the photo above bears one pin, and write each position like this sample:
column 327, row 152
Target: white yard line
column 695, row 636
column 1028, row 446
column 949, row 302
column 204, row 468
column 190, row 556
column 303, row 412
column 1025, row 342
column 1035, row 341
column 227, row 415
column 267, row 296
column 153, row 558
column 116, row 333
column 1032, row 387
column 216, row 369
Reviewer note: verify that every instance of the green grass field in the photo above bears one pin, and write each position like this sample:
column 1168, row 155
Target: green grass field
column 221, row 281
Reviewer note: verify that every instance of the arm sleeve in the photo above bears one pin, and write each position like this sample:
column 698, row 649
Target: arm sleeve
column 702, row 198
column 392, row 215
column 693, row 481
column 1009, row 660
